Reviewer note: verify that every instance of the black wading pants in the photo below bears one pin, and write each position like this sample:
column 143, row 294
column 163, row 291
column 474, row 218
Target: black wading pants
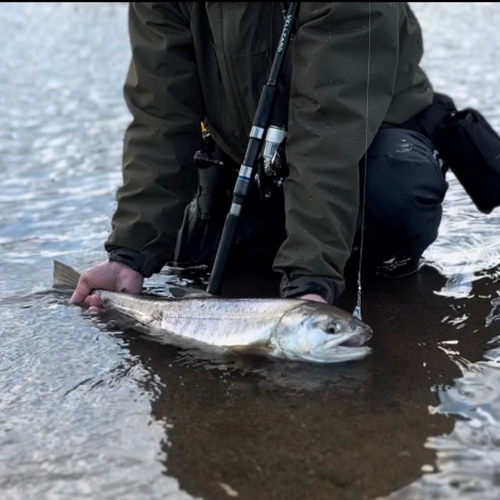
column 405, row 187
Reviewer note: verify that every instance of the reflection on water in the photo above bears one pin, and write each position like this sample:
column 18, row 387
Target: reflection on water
column 91, row 408
column 468, row 458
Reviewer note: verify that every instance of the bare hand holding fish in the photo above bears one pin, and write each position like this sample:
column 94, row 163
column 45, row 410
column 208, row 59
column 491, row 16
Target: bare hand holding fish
column 106, row 276
column 292, row 329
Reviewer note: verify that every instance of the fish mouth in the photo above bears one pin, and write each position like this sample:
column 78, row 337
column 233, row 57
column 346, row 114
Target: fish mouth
column 355, row 341
column 339, row 355
column 345, row 347
column 352, row 340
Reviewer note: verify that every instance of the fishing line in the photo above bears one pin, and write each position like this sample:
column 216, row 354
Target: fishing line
column 357, row 310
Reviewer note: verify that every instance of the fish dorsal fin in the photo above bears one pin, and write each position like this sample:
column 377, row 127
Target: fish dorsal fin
column 182, row 292
column 198, row 295
column 65, row 277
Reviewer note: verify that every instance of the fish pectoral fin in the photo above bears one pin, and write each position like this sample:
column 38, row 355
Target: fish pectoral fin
column 258, row 349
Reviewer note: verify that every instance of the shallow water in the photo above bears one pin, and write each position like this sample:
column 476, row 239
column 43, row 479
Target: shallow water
column 91, row 409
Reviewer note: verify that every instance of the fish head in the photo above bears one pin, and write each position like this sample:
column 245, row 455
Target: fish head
column 320, row 333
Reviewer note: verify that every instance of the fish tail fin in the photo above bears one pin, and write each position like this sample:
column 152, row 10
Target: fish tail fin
column 65, row 277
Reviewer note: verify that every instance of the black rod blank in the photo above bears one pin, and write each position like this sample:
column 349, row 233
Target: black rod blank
column 257, row 136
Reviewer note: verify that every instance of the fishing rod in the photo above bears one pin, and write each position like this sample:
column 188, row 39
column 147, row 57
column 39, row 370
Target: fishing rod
column 260, row 133
column 357, row 310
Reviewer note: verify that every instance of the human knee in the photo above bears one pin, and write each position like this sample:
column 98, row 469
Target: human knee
column 404, row 181
column 405, row 188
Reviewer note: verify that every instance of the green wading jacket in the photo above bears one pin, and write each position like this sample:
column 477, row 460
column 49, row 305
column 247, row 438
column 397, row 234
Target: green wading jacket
column 208, row 61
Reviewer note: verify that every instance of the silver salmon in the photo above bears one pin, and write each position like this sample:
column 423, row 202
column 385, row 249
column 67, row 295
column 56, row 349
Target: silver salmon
column 280, row 328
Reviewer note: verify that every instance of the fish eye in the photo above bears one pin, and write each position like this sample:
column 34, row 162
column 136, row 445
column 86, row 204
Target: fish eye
column 334, row 328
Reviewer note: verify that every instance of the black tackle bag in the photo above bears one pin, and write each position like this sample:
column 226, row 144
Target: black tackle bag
column 468, row 146
column 471, row 149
